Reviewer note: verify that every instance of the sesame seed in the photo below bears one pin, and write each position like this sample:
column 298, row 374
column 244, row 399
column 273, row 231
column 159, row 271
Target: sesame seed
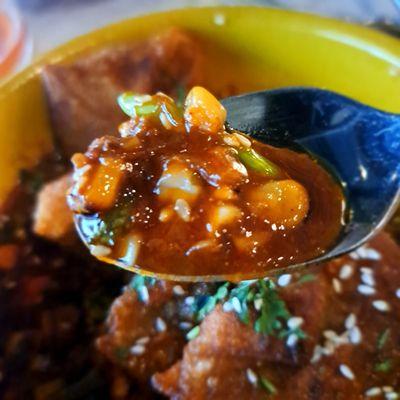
column 185, row 325
column 144, row 294
column 391, row 396
column 354, row 255
column 189, row 300
column 368, row 279
column 346, row 371
column 317, row 354
column 337, row 285
column 137, row 349
column 398, row 293
column 284, row 280
column 161, row 326
column 227, row 307
column 242, row 139
column 236, row 305
column 99, row 250
column 350, row 321
column 230, row 140
column 342, row 339
column 387, row 389
column 258, row 304
column 328, row 349
column 374, row 391
column 329, row 334
column 381, row 305
column 212, row 381
column 346, row 271
column 292, row 340
column 295, row 322
column 178, row 290
column 355, row 335
column 251, row 376
column 219, row 19
column 143, row 340
column 368, row 254
column 366, row 270
column 366, row 290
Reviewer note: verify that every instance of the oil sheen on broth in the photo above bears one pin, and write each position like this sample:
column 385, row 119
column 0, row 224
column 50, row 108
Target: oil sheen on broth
column 178, row 194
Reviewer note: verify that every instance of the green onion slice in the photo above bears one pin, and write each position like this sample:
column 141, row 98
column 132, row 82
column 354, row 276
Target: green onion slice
column 251, row 159
column 137, row 105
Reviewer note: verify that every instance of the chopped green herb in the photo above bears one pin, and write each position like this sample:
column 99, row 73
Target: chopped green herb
column 140, row 281
column 382, row 339
column 212, row 301
column 384, row 366
column 273, row 310
column 267, row 385
column 251, row 159
column 193, row 333
column 270, row 314
column 110, row 226
column 306, row 278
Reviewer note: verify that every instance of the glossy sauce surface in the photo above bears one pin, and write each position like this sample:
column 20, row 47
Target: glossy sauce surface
column 185, row 197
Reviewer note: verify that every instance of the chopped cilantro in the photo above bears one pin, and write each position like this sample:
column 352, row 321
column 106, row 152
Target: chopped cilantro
column 382, row 339
column 211, row 301
column 256, row 300
column 273, row 310
column 267, row 385
column 384, row 366
column 111, row 225
column 140, row 285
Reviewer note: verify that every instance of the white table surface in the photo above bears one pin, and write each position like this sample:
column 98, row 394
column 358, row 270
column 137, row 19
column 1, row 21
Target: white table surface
column 51, row 26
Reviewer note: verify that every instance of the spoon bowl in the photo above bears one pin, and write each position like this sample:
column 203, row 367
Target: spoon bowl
column 359, row 143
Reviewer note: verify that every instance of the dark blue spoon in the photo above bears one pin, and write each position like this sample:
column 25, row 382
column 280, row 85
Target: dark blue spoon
column 360, row 143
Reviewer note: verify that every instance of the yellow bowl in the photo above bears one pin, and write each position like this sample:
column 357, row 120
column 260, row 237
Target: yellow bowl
column 273, row 47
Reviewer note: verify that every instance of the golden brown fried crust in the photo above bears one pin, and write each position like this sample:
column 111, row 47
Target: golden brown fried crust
column 52, row 217
column 136, row 338
column 82, row 96
column 215, row 364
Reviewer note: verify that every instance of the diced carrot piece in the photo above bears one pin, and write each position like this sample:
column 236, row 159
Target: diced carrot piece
column 203, row 111
column 8, row 256
column 101, row 192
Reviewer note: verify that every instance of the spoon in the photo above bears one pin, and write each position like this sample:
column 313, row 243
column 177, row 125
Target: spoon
column 359, row 143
